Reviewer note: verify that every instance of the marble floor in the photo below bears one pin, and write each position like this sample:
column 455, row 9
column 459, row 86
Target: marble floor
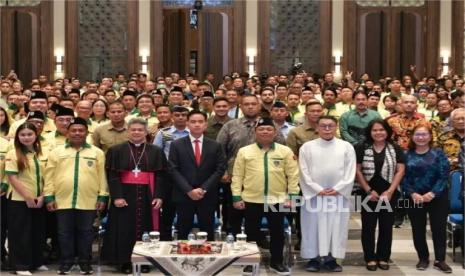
column 403, row 256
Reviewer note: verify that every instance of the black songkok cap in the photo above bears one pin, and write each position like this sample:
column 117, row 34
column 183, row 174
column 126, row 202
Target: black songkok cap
column 176, row 89
column 36, row 115
column 130, row 93
column 178, row 108
column 265, row 122
column 38, row 94
column 64, row 111
column 78, row 121
column 424, row 87
column 207, row 94
column 55, row 107
column 279, row 104
column 157, row 92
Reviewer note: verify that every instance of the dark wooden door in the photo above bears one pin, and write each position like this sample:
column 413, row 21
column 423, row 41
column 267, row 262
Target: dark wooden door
column 389, row 41
column 26, row 44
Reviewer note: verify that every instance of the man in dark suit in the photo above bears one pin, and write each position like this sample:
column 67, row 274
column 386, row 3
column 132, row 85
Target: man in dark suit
column 197, row 164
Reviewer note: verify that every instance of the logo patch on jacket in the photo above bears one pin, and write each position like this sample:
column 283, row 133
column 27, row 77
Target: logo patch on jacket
column 90, row 163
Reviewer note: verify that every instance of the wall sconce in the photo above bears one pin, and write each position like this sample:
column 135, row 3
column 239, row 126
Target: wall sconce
column 445, row 63
column 144, row 61
column 59, row 61
column 251, row 53
column 337, row 64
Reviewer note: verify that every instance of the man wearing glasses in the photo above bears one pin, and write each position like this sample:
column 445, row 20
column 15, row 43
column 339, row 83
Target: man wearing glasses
column 327, row 166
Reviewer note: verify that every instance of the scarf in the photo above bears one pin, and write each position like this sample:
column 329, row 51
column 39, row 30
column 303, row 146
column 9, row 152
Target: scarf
column 389, row 164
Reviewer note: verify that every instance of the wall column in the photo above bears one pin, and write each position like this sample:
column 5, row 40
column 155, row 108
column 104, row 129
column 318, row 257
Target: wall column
column 59, row 39
column 145, row 56
column 445, row 33
column 337, row 35
column 251, row 36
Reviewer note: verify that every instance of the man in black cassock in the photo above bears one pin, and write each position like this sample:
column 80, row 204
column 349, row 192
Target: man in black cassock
column 136, row 172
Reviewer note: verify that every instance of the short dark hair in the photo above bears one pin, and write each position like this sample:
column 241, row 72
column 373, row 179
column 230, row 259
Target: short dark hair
column 359, row 92
column 109, row 91
column 333, row 90
column 219, row 99
column 458, row 93
column 392, row 97
column 115, row 103
column 384, row 124
column 327, row 117
column 269, row 88
column 282, row 84
column 141, row 96
column 163, row 105
column 249, row 96
column 194, row 112
column 316, row 102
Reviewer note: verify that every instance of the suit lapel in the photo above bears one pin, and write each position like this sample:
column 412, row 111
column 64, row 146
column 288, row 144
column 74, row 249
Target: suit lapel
column 190, row 150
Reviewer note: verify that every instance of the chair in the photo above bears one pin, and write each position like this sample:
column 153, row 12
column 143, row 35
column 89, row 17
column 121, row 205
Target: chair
column 455, row 217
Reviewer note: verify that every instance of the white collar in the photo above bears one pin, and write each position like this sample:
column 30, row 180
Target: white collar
column 200, row 139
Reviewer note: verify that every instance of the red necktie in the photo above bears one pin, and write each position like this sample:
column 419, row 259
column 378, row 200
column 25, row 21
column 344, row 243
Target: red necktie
column 197, row 151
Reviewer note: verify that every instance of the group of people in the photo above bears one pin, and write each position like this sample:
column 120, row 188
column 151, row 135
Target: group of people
column 148, row 153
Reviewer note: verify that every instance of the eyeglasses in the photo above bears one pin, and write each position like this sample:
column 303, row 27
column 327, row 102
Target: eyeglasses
column 327, row 126
column 418, row 135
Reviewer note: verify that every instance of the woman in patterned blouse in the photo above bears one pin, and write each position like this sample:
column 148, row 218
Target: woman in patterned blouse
column 425, row 185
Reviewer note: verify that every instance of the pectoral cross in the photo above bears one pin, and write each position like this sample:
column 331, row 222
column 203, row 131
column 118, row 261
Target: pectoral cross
column 136, row 171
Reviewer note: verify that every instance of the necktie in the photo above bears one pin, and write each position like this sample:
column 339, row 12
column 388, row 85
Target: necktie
column 197, row 151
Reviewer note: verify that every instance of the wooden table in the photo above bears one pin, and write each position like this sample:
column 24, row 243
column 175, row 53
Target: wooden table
column 194, row 264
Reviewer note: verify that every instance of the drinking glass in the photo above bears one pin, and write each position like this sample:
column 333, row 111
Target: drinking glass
column 154, row 238
column 202, row 236
column 241, row 240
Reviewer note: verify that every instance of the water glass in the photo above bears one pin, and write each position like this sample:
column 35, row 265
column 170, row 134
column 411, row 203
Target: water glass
column 241, row 240
column 154, row 238
column 202, row 236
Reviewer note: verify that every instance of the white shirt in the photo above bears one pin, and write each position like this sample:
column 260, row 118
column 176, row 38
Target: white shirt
column 200, row 139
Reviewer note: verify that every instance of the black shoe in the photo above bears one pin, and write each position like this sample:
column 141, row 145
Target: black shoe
column 126, row 268
column 64, row 269
column 86, row 269
column 383, row 265
column 442, row 266
column 248, row 270
column 398, row 221
column 280, row 269
column 422, row 265
column 372, row 267
column 145, row 268
column 313, row 266
column 333, row 266
column 4, row 266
